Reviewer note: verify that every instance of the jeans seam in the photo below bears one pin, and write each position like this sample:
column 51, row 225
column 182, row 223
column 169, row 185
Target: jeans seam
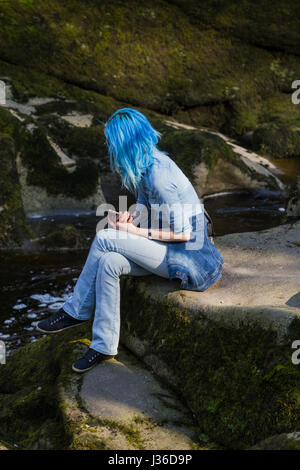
column 114, row 331
column 89, row 290
column 101, row 272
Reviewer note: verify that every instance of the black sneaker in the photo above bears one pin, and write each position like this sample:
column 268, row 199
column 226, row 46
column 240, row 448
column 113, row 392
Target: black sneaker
column 59, row 321
column 89, row 360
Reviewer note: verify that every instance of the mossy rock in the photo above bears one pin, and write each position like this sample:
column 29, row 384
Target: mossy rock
column 29, row 386
column 269, row 24
column 288, row 441
column 211, row 164
column 13, row 226
column 293, row 207
column 241, row 384
column 191, row 147
column 196, row 63
column 276, row 140
column 66, row 236
column 46, row 170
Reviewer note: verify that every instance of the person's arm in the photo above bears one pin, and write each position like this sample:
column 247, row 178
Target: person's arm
column 162, row 235
column 178, row 229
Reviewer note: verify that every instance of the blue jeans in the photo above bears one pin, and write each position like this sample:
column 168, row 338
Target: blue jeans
column 112, row 254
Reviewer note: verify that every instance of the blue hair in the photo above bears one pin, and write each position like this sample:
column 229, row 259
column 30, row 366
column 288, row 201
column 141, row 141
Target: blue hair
column 131, row 142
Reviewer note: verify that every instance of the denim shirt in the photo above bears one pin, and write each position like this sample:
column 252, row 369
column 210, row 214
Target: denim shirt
column 171, row 201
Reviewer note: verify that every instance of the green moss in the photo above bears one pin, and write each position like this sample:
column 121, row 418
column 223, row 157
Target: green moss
column 277, row 140
column 189, row 148
column 45, row 168
column 13, row 226
column 274, row 25
column 194, row 63
column 236, row 377
column 65, row 236
column 29, row 383
column 281, row 442
column 131, row 434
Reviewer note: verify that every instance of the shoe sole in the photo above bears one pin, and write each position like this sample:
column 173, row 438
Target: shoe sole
column 81, row 371
column 58, row 331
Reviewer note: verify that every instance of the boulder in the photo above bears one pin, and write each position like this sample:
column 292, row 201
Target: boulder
column 119, row 405
column 276, row 140
column 64, row 236
column 200, row 69
column 214, row 163
column 293, row 207
column 287, row 441
column 62, row 158
column 227, row 350
column 13, row 226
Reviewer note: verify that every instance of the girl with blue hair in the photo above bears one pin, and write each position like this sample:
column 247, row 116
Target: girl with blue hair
column 166, row 235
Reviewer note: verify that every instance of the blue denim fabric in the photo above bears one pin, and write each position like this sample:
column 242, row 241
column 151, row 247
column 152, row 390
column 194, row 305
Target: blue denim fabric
column 112, row 254
column 197, row 262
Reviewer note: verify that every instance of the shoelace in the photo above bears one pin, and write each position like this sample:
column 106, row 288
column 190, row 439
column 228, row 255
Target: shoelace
column 91, row 355
column 59, row 317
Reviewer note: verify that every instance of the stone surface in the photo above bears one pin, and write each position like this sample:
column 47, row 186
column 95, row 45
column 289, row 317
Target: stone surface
column 260, row 281
column 293, row 207
column 227, row 350
column 124, row 392
column 288, row 441
column 237, row 169
column 13, row 225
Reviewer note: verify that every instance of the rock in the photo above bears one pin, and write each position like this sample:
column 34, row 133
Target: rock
column 277, row 140
column 213, row 164
column 202, row 65
column 293, row 207
column 63, row 163
column 264, row 24
column 227, row 350
column 117, row 405
column 135, row 410
column 287, row 441
column 66, row 236
column 13, row 225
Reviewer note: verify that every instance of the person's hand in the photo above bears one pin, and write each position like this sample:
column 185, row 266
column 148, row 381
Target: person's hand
column 125, row 217
column 122, row 222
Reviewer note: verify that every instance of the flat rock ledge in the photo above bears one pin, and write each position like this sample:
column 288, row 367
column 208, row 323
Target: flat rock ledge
column 209, row 370
column 121, row 405
column 228, row 350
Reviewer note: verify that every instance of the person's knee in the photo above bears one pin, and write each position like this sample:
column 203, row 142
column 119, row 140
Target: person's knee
column 111, row 264
column 105, row 233
column 104, row 236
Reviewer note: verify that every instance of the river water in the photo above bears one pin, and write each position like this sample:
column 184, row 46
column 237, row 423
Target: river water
column 35, row 284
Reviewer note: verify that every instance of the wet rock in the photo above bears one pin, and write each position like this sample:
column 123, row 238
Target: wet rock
column 293, row 207
column 287, row 441
column 213, row 164
column 13, row 225
column 214, row 89
column 45, row 405
column 66, row 236
column 277, row 140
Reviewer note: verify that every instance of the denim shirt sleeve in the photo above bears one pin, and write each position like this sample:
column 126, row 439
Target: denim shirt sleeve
column 165, row 198
column 142, row 219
